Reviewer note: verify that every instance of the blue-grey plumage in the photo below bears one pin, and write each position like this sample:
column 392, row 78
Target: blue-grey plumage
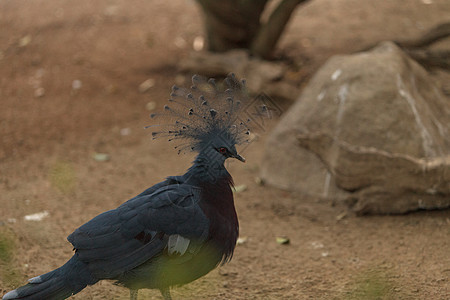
column 177, row 230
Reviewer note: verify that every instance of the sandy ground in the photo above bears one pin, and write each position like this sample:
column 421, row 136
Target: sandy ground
column 69, row 78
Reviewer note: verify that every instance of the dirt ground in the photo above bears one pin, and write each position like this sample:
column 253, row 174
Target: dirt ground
column 69, row 78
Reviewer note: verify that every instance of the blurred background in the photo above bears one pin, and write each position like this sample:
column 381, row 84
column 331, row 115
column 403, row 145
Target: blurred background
column 78, row 80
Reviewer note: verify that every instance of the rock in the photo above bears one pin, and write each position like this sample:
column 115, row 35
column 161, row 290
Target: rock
column 371, row 129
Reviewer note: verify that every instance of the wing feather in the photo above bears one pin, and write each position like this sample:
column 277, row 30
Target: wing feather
column 119, row 240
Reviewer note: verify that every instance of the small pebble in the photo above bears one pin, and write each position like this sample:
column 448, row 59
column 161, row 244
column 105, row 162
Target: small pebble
column 77, row 84
column 39, row 92
column 25, row 41
column 199, row 43
column 37, row 216
column 101, row 156
column 146, row 85
column 241, row 240
column 125, row 131
column 150, row 106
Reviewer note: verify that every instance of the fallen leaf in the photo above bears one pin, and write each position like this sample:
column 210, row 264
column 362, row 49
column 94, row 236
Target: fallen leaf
column 239, row 188
column 282, row 240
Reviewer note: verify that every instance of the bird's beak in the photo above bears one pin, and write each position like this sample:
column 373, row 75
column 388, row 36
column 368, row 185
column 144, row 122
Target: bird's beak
column 238, row 157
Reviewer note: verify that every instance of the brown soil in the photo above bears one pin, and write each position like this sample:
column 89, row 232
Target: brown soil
column 50, row 131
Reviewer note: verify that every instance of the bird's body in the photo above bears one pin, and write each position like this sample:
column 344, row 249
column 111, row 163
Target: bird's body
column 171, row 234
column 136, row 244
column 209, row 244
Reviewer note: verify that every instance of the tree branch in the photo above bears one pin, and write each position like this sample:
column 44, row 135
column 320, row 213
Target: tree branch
column 434, row 35
column 231, row 24
column 430, row 58
column 270, row 32
column 426, row 57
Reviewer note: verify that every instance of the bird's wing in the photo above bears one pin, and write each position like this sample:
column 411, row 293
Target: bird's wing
column 121, row 239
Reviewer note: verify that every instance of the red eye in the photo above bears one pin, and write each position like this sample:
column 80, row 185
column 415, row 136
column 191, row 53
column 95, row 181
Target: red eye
column 223, row 150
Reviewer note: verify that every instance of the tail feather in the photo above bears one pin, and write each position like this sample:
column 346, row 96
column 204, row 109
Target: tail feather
column 61, row 283
column 51, row 289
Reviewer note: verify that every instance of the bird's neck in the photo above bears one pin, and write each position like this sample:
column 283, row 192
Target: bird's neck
column 208, row 169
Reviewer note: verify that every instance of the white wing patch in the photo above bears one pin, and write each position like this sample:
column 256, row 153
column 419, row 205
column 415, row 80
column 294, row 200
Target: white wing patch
column 36, row 279
column 177, row 244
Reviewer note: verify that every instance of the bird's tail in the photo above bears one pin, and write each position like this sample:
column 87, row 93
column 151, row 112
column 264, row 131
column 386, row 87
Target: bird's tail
column 61, row 283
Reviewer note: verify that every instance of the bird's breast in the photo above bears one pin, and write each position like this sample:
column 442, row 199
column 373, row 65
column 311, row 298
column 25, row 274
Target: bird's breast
column 218, row 205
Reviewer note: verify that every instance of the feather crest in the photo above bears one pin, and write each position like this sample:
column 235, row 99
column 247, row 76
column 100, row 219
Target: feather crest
column 205, row 110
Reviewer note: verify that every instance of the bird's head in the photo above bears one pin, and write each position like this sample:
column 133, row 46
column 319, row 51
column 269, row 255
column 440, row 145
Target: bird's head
column 218, row 147
column 210, row 119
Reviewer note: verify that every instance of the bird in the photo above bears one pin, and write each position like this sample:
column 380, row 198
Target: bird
column 179, row 229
